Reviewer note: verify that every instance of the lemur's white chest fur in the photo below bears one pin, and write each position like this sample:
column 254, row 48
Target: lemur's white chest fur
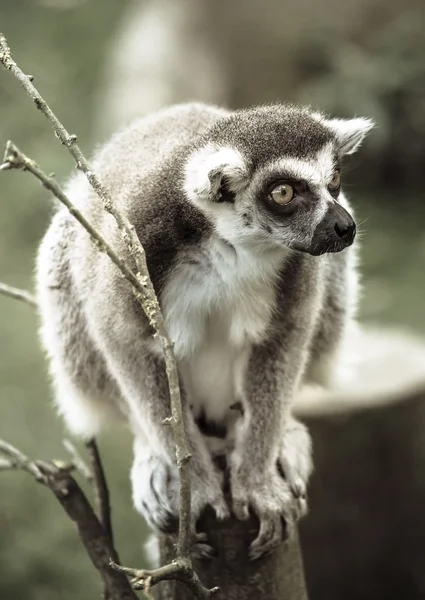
column 215, row 310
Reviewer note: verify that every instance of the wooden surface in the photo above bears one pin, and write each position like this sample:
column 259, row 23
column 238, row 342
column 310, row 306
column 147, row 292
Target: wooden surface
column 276, row 577
column 365, row 534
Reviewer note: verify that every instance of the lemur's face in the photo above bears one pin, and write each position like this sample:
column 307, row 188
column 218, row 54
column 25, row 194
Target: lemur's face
column 279, row 184
column 298, row 204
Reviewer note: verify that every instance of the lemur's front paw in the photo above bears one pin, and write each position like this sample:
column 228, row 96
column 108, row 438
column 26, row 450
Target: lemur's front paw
column 295, row 461
column 273, row 501
column 155, row 492
column 277, row 496
column 156, row 497
column 206, row 489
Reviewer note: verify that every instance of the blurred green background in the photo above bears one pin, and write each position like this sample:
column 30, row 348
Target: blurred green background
column 63, row 44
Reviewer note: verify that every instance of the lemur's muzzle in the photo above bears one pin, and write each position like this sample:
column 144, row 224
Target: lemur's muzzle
column 344, row 226
column 335, row 231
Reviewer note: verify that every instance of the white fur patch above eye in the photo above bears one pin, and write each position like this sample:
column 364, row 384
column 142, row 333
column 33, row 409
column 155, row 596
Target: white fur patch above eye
column 199, row 184
column 316, row 171
column 325, row 163
column 298, row 169
column 349, row 133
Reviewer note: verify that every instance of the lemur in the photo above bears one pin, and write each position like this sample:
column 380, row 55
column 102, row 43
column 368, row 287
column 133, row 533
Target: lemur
column 248, row 239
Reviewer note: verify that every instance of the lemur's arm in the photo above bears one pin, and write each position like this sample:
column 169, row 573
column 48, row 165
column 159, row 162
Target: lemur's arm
column 136, row 364
column 264, row 473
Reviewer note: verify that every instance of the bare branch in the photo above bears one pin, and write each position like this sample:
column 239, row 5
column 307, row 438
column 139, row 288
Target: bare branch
column 18, row 460
column 101, row 488
column 101, row 491
column 78, row 461
column 73, row 500
column 144, row 292
column 16, row 293
column 9, row 465
column 179, row 569
column 18, row 160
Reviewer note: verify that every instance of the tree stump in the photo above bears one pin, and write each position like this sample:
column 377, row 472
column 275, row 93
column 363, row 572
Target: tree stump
column 279, row 576
column 365, row 533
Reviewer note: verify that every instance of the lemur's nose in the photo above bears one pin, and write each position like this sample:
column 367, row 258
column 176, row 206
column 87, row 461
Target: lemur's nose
column 346, row 231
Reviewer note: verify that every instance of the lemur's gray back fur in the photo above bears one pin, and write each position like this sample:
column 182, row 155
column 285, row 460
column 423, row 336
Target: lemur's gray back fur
column 252, row 298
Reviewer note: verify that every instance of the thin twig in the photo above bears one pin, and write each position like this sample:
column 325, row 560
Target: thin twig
column 12, row 465
column 18, row 460
column 101, row 491
column 179, row 569
column 144, row 292
column 78, row 461
column 101, row 488
column 97, row 479
column 15, row 159
column 16, row 293
column 73, row 500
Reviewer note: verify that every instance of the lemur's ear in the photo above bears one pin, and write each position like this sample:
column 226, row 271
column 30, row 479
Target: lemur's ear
column 214, row 174
column 349, row 133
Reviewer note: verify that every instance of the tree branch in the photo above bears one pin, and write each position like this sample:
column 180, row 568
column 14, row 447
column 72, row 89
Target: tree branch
column 17, row 460
column 98, row 480
column 144, row 291
column 96, row 539
column 16, row 293
column 78, row 461
column 179, row 570
column 141, row 284
column 67, row 491
column 15, row 159
column 101, row 488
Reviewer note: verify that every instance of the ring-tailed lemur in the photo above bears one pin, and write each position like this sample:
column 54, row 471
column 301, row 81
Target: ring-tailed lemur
column 248, row 242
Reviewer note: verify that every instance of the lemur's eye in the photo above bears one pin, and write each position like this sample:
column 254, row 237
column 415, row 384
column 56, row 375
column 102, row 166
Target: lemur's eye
column 335, row 182
column 282, row 194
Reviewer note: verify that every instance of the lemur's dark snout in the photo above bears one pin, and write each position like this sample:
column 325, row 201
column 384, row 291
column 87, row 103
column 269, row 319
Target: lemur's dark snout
column 334, row 233
column 341, row 224
column 346, row 231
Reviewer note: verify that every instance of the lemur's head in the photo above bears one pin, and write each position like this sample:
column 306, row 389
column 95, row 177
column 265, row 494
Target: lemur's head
column 271, row 176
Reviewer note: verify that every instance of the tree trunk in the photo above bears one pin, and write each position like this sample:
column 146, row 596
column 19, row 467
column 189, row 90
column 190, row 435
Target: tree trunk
column 279, row 576
column 364, row 535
